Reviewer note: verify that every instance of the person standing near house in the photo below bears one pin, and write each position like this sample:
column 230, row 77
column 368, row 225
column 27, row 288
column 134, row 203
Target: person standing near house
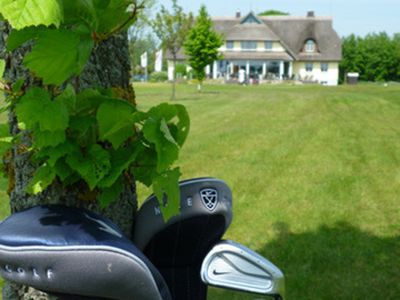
column 242, row 76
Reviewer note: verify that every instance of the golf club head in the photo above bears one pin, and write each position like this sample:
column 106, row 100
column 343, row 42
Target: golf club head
column 233, row 266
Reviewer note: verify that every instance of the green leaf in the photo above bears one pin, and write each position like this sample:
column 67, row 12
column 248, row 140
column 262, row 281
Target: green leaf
column 17, row 85
column 64, row 171
column 179, row 130
column 5, row 138
column 18, row 37
column 93, row 166
column 102, row 4
column 167, row 136
column 111, row 14
column 183, row 125
column 43, row 177
column 121, row 159
column 84, row 129
column 110, row 194
column 165, row 131
column 47, row 138
column 85, row 48
column 24, row 13
column 167, row 152
column 58, row 55
column 89, row 100
column 163, row 110
column 82, row 123
column 28, row 104
column 167, row 184
column 147, row 166
column 53, row 154
column 2, row 67
column 82, row 11
column 68, row 98
column 36, row 108
column 115, row 121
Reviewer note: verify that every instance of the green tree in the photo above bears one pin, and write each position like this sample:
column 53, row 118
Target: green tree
column 376, row 57
column 273, row 12
column 352, row 59
column 139, row 29
column 396, row 45
column 202, row 45
column 172, row 28
column 141, row 38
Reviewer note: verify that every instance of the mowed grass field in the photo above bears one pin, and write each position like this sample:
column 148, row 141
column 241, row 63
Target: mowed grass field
column 315, row 175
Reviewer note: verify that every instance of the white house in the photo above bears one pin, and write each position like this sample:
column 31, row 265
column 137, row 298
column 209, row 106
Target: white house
column 277, row 48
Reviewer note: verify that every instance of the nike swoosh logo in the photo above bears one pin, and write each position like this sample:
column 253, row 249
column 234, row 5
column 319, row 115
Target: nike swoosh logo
column 215, row 272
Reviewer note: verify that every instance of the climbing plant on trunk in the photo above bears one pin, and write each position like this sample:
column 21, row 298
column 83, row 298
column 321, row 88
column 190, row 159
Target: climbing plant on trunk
column 76, row 136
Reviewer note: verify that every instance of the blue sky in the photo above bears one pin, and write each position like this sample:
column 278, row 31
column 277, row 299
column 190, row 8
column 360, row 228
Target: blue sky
column 350, row 16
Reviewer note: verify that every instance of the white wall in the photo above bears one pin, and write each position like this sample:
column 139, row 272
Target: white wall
column 331, row 77
column 170, row 70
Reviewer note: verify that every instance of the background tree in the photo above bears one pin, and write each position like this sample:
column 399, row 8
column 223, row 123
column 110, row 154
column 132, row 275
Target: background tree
column 141, row 39
column 273, row 12
column 396, row 42
column 202, row 44
column 352, row 58
column 141, row 27
column 172, row 28
column 375, row 57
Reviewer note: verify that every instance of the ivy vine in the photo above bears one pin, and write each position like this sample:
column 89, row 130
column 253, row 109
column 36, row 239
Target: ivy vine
column 93, row 135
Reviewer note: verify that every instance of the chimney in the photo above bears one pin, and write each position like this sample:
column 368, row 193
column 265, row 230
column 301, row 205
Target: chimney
column 310, row 14
column 238, row 14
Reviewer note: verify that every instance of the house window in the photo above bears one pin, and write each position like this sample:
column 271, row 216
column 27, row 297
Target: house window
column 324, row 67
column 268, row 45
column 249, row 45
column 310, row 46
column 309, row 67
column 229, row 45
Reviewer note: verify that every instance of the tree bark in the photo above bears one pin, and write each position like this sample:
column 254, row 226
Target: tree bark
column 109, row 66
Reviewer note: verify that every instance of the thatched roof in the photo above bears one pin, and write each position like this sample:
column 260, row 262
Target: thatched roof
column 295, row 31
column 250, row 32
column 291, row 32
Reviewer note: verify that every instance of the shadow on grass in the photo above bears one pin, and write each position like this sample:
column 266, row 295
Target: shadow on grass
column 338, row 262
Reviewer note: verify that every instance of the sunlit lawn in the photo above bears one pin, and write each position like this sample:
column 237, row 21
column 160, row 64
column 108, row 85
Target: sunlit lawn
column 315, row 174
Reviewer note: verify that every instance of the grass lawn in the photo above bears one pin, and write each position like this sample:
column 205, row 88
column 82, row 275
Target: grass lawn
column 315, row 174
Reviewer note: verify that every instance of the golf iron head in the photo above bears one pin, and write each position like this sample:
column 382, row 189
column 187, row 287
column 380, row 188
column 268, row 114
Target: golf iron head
column 233, row 266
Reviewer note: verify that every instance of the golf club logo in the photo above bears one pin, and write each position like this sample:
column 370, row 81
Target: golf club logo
column 209, row 197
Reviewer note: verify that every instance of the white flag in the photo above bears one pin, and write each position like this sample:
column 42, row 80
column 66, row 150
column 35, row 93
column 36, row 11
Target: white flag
column 143, row 60
column 158, row 63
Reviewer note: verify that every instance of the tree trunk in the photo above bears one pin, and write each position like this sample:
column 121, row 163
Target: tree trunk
column 109, row 66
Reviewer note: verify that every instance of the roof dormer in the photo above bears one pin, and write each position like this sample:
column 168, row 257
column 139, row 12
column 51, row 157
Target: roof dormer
column 251, row 18
column 310, row 46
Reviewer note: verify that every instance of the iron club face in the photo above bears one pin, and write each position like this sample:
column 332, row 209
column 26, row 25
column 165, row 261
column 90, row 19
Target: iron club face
column 233, row 266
